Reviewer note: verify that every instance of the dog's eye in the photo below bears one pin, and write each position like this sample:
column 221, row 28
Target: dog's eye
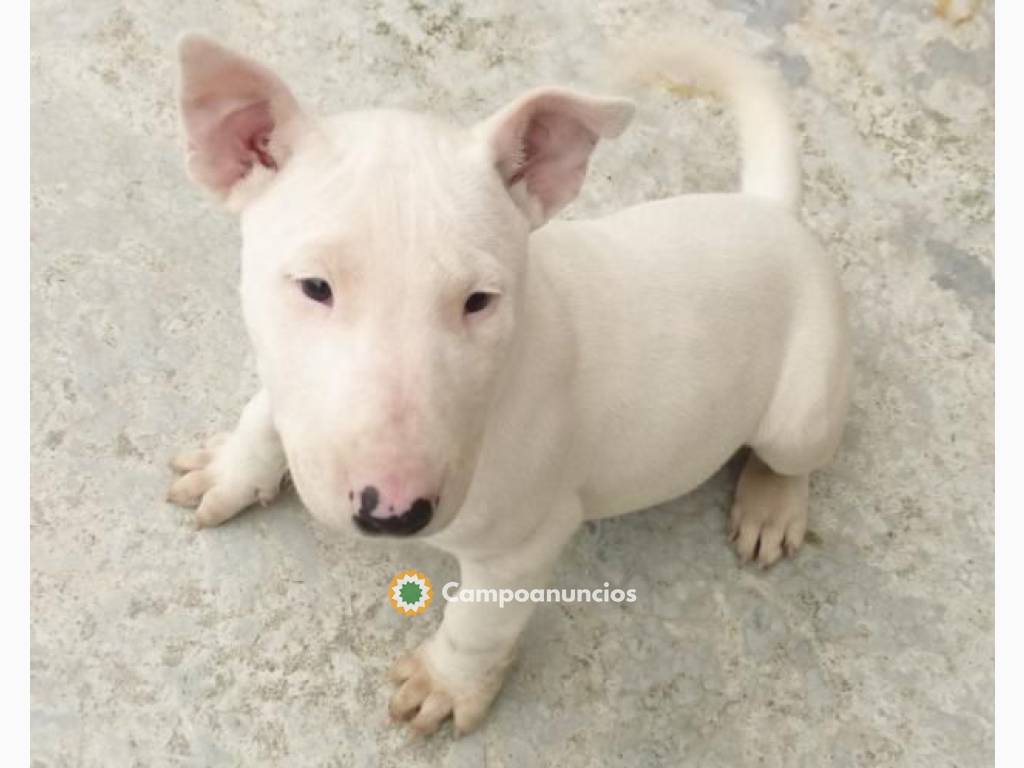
column 316, row 289
column 478, row 302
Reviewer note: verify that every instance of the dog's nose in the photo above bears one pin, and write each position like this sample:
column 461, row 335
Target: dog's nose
column 386, row 513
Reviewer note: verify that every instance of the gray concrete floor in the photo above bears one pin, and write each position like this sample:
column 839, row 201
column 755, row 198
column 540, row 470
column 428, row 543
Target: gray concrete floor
column 265, row 642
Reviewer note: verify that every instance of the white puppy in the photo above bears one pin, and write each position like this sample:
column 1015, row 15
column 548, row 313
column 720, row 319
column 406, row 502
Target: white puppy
column 439, row 358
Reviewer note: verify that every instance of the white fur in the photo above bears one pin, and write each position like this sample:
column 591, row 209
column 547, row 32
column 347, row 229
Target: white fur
column 627, row 358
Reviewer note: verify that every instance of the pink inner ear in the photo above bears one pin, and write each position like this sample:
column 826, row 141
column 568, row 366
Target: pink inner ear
column 226, row 151
column 555, row 150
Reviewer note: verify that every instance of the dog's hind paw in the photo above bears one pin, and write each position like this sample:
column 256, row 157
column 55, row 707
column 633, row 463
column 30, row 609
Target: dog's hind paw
column 769, row 514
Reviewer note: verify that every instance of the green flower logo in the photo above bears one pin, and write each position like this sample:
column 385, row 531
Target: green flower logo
column 410, row 593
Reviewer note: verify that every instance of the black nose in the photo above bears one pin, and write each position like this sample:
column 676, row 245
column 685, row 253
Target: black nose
column 413, row 519
column 368, row 500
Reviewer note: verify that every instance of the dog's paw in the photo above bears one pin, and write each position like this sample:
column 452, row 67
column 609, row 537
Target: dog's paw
column 221, row 479
column 425, row 698
column 769, row 515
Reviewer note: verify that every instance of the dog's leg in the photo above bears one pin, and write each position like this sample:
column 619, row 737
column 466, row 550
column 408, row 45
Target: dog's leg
column 460, row 669
column 769, row 513
column 799, row 434
column 232, row 470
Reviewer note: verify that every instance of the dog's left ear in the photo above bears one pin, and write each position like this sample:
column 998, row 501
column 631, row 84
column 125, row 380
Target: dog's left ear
column 541, row 143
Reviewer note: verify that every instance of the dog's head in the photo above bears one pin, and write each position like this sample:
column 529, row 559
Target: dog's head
column 383, row 262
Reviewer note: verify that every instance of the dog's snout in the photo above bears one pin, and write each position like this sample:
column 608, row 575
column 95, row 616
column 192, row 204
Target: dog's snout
column 385, row 513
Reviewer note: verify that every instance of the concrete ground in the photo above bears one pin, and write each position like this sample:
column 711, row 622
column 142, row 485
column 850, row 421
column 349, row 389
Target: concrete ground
column 264, row 643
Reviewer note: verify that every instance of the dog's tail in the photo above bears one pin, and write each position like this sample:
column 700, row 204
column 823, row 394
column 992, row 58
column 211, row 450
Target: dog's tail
column 694, row 66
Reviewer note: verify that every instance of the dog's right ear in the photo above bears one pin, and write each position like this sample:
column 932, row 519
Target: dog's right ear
column 240, row 119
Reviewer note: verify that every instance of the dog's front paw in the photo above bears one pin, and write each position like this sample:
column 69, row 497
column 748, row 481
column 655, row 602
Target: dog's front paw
column 222, row 478
column 426, row 696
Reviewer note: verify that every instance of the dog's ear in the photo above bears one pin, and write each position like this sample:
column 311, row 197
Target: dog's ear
column 540, row 145
column 238, row 116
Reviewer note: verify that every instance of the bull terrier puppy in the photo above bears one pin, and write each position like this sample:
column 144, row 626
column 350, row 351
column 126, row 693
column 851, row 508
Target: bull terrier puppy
column 441, row 359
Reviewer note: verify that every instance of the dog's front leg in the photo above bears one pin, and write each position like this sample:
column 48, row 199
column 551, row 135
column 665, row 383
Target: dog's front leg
column 232, row 470
column 460, row 669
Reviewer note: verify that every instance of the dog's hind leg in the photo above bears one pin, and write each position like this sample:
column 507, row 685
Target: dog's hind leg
column 799, row 434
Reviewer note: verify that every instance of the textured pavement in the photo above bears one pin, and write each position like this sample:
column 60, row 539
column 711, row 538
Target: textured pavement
column 265, row 642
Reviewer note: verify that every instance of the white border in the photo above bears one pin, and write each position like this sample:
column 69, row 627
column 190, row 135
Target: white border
column 14, row 305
